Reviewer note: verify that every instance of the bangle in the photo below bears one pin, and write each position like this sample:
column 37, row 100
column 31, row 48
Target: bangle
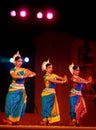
column 22, row 76
column 31, row 75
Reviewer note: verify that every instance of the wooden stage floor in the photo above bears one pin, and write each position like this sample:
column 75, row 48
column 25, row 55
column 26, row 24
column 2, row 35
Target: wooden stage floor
column 38, row 127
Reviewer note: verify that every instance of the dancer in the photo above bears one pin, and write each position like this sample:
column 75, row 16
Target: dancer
column 77, row 102
column 50, row 109
column 16, row 99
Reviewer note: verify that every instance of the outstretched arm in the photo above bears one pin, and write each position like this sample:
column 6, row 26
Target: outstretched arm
column 30, row 73
column 59, row 79
column 64, row 79
column 81, row 80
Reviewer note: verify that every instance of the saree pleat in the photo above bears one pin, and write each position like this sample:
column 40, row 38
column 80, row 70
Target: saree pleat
column 50, row 107
column 15, row 105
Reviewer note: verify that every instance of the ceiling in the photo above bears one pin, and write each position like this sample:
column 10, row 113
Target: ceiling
column 74, row 17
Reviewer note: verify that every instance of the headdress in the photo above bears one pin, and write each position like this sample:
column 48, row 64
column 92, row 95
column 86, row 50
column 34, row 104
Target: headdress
column 15, row 55
column 44, row 64
column 71, row 68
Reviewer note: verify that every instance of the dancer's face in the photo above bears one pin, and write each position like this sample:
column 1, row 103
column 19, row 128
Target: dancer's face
column 77, row 71
column 49, row 69
column 19, row 62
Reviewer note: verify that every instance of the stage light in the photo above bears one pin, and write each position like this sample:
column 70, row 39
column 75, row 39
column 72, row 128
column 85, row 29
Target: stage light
column 49, row 15
column 23, row 13
column 13, row 13
column 39, row 15
column 11, row 60
column 26, row 59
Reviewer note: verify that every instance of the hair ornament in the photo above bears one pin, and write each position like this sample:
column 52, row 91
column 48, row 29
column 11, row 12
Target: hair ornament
column 71, row 68
column 15, row 55
column 44, row 65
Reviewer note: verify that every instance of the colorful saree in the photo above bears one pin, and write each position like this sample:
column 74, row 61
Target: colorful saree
column 50, row 109
column 16, row 98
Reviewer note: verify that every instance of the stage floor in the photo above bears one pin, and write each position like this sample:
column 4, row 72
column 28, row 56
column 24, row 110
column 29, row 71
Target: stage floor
column 38, row 127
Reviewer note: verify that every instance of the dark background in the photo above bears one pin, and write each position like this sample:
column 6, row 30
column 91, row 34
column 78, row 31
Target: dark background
column 74, row 17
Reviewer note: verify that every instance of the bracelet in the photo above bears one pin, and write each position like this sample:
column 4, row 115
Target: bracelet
column 22, row 76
